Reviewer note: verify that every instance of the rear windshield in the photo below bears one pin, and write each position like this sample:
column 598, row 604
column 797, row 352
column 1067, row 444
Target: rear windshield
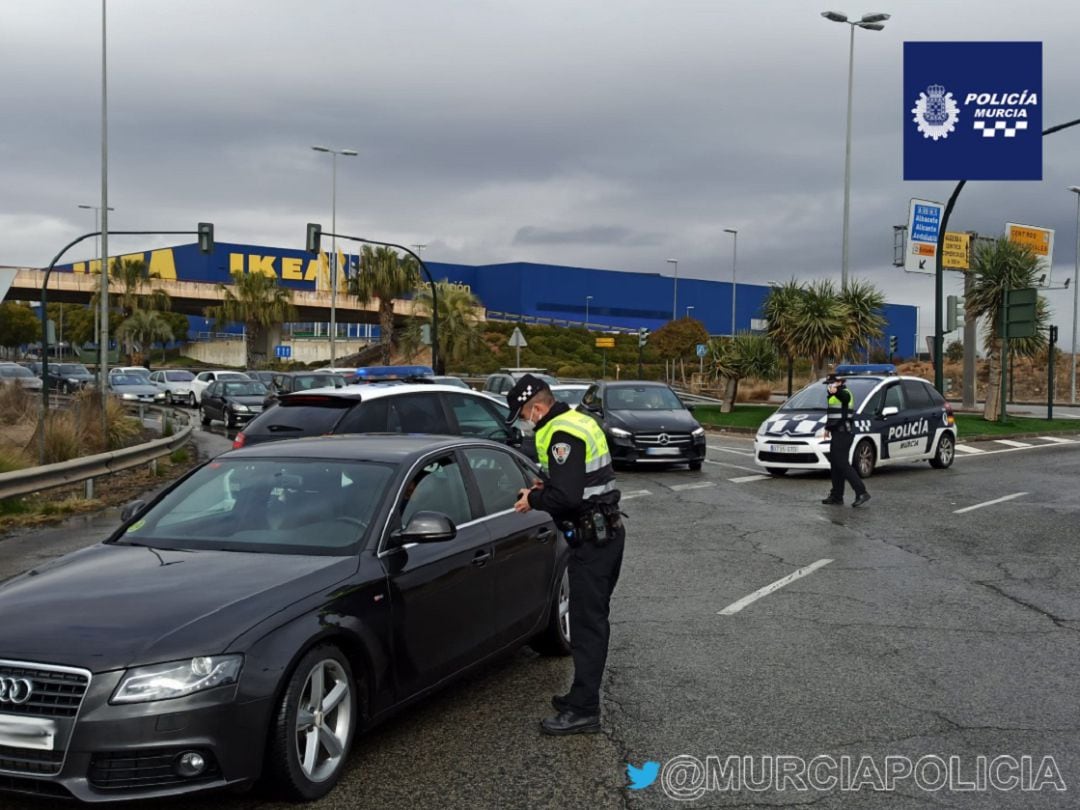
column 179, row 376
column 72, row 368
column 293, row 421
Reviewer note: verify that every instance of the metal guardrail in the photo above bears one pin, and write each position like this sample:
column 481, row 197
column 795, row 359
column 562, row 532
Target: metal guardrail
column 76, row 470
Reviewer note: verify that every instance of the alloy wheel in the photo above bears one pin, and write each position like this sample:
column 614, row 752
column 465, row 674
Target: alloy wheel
column 323, row 720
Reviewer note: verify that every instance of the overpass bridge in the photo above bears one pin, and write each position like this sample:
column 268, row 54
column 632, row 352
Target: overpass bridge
column 193, row 297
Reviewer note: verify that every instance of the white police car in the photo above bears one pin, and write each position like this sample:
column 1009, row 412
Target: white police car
column 896, row 419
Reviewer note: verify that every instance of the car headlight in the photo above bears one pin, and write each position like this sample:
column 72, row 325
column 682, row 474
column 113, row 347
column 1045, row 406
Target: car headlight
column 698, row 432
column 129, row 396
column 159, row 395
column 619, row 433
column 177, row 678
column 236, row 406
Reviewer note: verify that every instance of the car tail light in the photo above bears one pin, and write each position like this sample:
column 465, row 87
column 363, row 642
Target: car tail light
column 949, row 415
column 238, row 442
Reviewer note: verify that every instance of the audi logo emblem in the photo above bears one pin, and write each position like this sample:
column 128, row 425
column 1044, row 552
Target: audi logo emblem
column 662, row 438
column 16, row 690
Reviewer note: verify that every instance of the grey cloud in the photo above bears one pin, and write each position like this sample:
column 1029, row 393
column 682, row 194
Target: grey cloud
column 595, row 235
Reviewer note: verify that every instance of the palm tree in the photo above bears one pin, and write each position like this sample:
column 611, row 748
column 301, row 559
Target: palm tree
column 459, row 322
column 134, row 277
column 780, row 308
column 745, row 355
column 144, row 327
column 999, row 267
column 819, row 328
column 387, row 276
column 257, row 301
column 864, row 302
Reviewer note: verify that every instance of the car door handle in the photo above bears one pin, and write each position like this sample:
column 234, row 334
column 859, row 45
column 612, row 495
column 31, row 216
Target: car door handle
column 544, row 535
column 481, row 557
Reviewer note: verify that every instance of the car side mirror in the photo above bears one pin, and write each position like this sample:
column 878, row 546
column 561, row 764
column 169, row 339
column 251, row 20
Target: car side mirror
column 517, row 438
column 130, row 510
column 689, row 406
column 427, row 527
column 593, row 407
column 890, row 410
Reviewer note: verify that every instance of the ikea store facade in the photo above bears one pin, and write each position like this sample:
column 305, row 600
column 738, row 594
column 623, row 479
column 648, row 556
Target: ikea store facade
column 511, row 290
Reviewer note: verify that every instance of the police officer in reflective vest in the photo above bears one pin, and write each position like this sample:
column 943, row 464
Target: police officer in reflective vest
column 838, row 429
column 579, row 492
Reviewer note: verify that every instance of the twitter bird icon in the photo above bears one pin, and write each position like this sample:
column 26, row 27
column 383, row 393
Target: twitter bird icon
column 641, row 778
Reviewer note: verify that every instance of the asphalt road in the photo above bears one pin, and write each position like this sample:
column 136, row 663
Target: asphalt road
column 931, row 632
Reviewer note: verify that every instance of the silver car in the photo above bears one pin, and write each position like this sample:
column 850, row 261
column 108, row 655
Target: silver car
column 18, row 375
column 132, row 388
column 176, row 383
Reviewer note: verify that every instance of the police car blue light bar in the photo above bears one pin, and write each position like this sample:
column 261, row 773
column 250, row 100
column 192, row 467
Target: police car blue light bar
column 384, row 373
column 866, row 368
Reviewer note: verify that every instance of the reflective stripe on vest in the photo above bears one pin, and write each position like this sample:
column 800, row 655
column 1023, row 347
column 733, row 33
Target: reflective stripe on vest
column 599, row 473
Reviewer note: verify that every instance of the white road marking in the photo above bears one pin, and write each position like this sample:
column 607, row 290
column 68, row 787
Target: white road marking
column 989, row 503
column 735, row 607
column 733, row 466
column 1013, row 450
column 637, row 493
column 749, row 453
column 698, row 485
column 743, row 479
column 1012, row 443
column 1057, row 439
column 965, row 448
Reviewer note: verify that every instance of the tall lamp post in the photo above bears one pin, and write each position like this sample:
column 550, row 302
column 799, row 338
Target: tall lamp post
column 675, row 289
column 588, row 298
column 871, row 22
column 96, row 227
column 333, row 243
column 688, row 308
column 734, row 259
column 1076, row 287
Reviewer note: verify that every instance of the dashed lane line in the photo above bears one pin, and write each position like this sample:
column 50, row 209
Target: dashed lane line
column 698, row 485
column 744, row 479
column 735, row 607
column 637, row 493
column 749, row 453
column 989, row 503
column 732, row 466
column 1012, row 443
column 966, row 448
column 1056, row 439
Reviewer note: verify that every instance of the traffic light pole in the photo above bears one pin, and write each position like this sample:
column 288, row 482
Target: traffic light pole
column 1050, row 374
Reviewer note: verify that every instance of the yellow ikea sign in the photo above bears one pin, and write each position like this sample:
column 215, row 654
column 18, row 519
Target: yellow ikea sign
column 161, row 263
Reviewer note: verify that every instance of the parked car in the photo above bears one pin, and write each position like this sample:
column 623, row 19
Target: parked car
column 69, row 377
column 263, row 376
column 897, row 419
column 232, row 401
column 288, row 382
column 382, row 408
column 18, row 375
column 135, row 371
column 448, row 379
column 176, row 383
column 204, row 378
column 262, row 612
column 570, row 393
column 500, row 383
column 645, row 422
column 133, row 388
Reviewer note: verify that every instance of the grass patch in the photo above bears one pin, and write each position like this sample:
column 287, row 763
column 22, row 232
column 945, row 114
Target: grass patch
column 971, row 424
column 180, row 456
column 742, row 416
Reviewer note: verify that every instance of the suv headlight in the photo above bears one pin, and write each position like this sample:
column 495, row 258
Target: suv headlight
column 177, row 678
column 619, row 433
column 239, row 408
column 697, row 432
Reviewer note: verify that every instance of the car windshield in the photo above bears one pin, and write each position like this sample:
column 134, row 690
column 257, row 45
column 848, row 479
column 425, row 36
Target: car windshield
column 571, row 396
column 244, row 389
column 642, row 398
column 815, row 396
column 305, row 382
column 232, row 375
column 125, row 379
column 179, row 376
column 14, row 371
column 142, row 374
column 73, row 369
column 280, row 506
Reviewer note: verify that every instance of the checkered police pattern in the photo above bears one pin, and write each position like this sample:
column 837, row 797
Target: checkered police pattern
column 862, row 425
column 524, row 396
column 1004, row 127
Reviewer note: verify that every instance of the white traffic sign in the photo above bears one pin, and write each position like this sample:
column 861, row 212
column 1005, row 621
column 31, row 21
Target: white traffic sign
column 517, row 340
column 924, row 223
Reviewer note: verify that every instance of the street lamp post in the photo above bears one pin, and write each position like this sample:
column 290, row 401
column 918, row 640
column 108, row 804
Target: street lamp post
column 96, row 227
column 688, row 308
column 675, row 289
column 871, row 22
column 734, row 259
column 588, row 298
column 333, row 243
column 1076, row 292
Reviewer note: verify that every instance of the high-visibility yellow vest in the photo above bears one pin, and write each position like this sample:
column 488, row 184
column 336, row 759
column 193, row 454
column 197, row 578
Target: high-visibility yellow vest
column 599, row 472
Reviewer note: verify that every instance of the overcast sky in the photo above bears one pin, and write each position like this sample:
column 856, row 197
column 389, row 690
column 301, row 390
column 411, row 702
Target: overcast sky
column 598, row 133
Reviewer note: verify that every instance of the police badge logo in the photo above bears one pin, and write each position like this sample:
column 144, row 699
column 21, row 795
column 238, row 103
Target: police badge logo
column 560, row 452
column 936, row 112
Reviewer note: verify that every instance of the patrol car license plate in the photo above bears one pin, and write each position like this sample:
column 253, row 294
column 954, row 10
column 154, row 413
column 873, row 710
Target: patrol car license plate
column 786, row 448
column 663, row 451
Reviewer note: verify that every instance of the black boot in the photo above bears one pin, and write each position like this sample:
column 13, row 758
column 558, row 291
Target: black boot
column 570, row 722
column 833, row 500
column 861, row 499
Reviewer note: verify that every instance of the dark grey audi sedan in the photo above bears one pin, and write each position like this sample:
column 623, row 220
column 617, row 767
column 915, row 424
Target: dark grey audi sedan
column 264, row 610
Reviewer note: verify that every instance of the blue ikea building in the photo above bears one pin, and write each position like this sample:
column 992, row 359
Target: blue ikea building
column 613, row 298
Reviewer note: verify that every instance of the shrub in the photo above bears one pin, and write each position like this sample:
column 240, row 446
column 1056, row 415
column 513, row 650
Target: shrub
column 62, row 441
column 12, row 458
column 16, row 403
column 757, row 392
column 179, row 456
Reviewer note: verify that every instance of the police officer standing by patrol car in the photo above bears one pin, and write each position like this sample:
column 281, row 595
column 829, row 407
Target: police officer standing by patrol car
column 579, row 492
column 839, row 429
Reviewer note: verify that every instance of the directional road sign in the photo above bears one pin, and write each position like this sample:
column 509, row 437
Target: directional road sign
column 924, row 222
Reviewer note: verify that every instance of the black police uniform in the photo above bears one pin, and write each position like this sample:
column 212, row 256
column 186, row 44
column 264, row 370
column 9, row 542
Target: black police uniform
column 594, row 565
column 839, row 425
